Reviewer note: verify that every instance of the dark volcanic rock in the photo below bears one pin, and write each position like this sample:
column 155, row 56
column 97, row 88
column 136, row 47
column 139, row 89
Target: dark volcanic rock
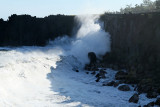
column 97, row 80
column 140, row 54
column 151, row 104
column 77, row 70
column 145, row 86
column 111, row 83
column 102, row 73
column 94, row 68
column 152, row 95
column 116, row 84
column 92, row 57
column 87, row 67
column 157, row 102
column 91, row 67
column 115, row 67
column 121, row 75
column 158, row 90
column 134, row 98
column 124, row 88
column 93, row 73
column 97, row 76
column 87, row 72
column 121, row 81
column 131, row 77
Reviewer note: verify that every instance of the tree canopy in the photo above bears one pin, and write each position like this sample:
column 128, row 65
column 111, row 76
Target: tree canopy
column 146, row 6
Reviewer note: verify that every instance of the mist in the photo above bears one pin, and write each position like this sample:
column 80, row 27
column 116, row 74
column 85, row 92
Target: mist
column 90, row 37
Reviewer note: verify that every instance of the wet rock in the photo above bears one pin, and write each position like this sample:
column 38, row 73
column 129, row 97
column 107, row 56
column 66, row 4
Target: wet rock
column 92, row 67
column 87, row 72
column 115, row 67
column 93, row 73
column 131, row 77
column 98, row 79
column 102, row 73
column 116, row 84
column 157, row 102
column 77, row 70
column 104, row 69
column 110, row 66
column 111, row 83
column 87, row 67
column 97, row 76
column 121, row 81
column 134, row 98
column 145, row 86
column 124, row 88
column 92, row 57
column 152, row 95
column 158, row 90
column 104, row 84
column 151, row 104
column 121, row 75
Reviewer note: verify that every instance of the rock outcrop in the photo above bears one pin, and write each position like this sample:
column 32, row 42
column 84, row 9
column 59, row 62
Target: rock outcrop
column 134, row 98
column 92, row 57
column 124, row 88
column 158, row 102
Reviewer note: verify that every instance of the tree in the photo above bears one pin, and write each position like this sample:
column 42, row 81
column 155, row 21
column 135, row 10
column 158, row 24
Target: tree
column 147, row 2
column 157, row 4
column 146, row 6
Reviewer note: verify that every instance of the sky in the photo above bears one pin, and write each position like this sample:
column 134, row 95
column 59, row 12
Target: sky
column 42, row 8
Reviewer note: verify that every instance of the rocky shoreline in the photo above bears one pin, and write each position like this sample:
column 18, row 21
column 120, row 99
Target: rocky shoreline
column 121, row 77
column 124, row 78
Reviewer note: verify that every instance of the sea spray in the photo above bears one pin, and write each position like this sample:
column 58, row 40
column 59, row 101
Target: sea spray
column 90, row 37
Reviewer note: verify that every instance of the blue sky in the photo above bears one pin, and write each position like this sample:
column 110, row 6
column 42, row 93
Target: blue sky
column 43, row 8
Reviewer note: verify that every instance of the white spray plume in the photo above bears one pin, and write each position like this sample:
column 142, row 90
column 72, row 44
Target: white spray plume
column 89, row 38
column 88, row 25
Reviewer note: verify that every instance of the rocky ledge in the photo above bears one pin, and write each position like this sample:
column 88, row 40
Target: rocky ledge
column 124, row 79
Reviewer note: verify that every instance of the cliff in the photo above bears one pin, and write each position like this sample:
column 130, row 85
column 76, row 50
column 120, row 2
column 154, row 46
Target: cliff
column 20, row 30
column 135, row 43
